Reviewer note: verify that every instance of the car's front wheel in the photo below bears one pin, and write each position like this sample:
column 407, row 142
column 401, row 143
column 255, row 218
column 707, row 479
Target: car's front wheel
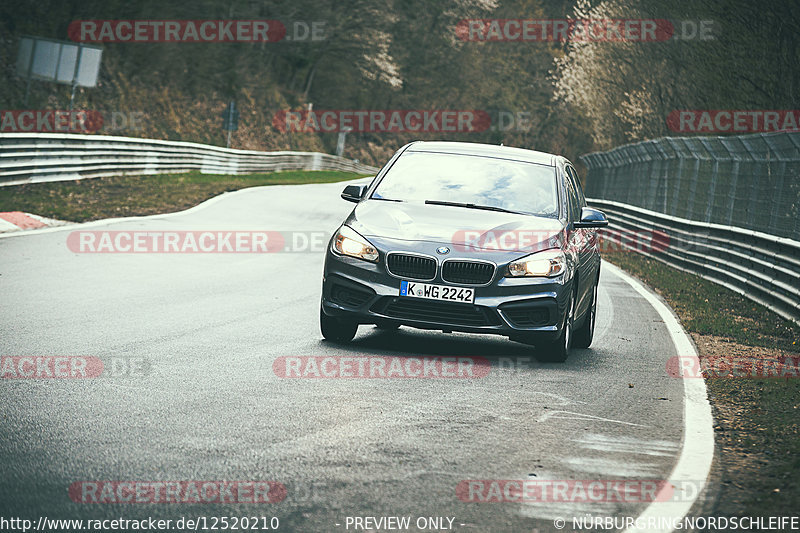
column 337, row 329
column 557, row 351
column 583, row 335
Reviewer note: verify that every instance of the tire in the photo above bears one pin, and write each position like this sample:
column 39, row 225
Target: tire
column 337, row 329
column 582, row 338
column 557, row 351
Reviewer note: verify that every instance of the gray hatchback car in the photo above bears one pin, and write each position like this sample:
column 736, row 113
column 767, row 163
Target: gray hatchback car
column 467, row 237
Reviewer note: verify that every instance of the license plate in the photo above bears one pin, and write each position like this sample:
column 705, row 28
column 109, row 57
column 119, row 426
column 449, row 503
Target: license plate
column 437, row 292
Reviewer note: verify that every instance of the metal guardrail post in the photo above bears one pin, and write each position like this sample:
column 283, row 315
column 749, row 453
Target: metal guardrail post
column 676, row 194
column 754, row 183
column 693, row 188
column 712, row 190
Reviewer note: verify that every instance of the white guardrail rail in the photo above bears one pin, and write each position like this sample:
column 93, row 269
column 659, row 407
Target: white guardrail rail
column 40, row 157
column 762, row 267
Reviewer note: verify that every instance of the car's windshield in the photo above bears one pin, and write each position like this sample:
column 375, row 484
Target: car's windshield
column 485, row 181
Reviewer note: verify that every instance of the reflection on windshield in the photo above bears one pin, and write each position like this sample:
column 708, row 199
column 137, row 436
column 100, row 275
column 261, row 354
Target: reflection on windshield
column 512, row 185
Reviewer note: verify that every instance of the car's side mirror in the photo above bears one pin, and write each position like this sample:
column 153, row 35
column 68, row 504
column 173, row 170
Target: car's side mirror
column 353, row 193
column 591, row 218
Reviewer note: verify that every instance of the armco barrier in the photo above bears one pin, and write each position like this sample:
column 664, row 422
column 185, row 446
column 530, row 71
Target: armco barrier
column 748, row 181
column 37, row 157
column 762, row 267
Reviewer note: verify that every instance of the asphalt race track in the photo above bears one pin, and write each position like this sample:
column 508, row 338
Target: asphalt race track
column 206, row 403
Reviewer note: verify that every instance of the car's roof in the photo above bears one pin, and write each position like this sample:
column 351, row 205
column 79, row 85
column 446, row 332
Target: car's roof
column 486, row 150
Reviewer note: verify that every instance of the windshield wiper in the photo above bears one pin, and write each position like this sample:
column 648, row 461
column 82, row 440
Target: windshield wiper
column 385, row 199
column 472, row 206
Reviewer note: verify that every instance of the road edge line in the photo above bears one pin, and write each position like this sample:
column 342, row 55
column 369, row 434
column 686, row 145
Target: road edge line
column 697, row 446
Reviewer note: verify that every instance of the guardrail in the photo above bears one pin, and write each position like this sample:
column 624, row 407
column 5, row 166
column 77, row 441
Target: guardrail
column 762, row 267
column 750, row 181
column 39, row 157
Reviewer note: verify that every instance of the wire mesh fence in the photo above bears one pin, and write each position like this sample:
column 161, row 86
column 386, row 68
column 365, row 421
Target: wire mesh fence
column 749, row 181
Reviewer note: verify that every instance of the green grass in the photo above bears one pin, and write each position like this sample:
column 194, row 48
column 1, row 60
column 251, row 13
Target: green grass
column 757, row 421
column 710, row 309
column 97, row 198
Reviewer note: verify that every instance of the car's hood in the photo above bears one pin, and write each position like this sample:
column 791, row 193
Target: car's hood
column 462, row 227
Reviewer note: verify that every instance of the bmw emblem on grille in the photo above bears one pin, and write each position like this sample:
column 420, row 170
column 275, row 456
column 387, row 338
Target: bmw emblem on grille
column 443, row 250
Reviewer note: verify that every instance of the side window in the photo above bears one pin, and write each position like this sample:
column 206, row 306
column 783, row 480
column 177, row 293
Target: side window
column 574, row 175
column 574, row 202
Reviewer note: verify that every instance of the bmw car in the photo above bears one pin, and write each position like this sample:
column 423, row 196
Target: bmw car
column 466, row 237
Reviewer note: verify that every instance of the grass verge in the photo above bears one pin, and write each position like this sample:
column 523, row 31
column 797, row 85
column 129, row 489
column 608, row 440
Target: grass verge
column 97, row 198
column 757, row 421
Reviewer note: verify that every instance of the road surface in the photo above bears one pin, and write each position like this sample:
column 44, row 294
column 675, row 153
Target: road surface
column 209, row 406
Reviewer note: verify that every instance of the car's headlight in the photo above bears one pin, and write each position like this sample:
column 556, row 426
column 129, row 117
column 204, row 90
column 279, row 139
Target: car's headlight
column 348, row 242
column 549, row 263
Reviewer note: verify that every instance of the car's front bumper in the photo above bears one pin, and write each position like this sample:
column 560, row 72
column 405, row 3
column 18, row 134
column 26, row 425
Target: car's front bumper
column 525, row 309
